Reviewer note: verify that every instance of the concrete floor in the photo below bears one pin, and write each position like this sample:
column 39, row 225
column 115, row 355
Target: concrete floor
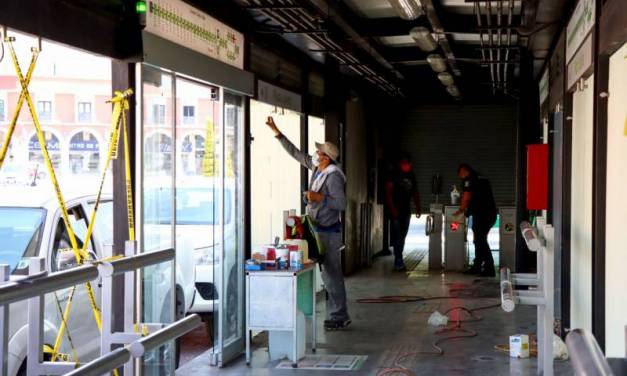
column 385, row 331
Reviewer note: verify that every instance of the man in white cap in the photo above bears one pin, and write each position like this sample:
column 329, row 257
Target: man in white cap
column 326, row 199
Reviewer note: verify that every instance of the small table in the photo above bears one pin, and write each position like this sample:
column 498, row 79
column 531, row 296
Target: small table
column 273, row 299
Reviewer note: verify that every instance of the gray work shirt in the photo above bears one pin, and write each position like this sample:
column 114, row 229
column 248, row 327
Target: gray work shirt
column 327, row 212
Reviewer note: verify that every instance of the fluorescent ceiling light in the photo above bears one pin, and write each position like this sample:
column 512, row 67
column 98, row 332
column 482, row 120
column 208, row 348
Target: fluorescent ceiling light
column 437, row 62
column 446, row 78
column 423, row 38
column 407, row 9
column 454, row 91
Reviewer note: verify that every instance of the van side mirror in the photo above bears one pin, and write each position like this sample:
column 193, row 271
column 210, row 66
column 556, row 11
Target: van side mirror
column 65, row 259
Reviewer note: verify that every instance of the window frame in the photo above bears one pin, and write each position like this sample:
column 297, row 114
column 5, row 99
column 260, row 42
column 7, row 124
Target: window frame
column 44, row 115
column 81, row 114
column 58, row 219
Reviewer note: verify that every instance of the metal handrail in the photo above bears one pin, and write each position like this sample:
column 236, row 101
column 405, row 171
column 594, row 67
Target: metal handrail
column 530, row 236
column 16, row 291
column 169, row 333
column 98, row 367
column 507, row 294
column 137, row 349
column 27, row 288
column 127, row 264
column 586, row 355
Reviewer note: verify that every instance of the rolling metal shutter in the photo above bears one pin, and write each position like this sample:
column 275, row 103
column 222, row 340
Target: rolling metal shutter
column 440, row 137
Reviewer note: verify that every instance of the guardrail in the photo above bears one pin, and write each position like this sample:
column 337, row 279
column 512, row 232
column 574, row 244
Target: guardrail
column 586, row 355
column 39, row 283
column 540, row 293
column 137, row 349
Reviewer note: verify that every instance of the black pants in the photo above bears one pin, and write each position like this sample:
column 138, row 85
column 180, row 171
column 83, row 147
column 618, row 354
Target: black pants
column 481, row 225
column 400, row 227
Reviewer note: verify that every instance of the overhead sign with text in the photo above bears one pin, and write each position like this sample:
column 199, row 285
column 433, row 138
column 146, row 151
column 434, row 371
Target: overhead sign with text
column 579, row 26
column 187, row 26
column 280, row 97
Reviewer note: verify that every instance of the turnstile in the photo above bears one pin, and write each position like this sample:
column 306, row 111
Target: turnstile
column 454, row 239
column 434, row 231
column 507, row 237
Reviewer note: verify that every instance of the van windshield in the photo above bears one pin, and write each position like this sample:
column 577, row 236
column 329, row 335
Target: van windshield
column 20, row 231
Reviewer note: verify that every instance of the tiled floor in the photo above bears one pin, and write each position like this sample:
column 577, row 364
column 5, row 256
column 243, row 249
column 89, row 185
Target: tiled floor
column 385, row 331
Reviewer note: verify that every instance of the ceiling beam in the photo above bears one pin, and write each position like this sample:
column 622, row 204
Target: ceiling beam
column 401, row 54
column 393, row 26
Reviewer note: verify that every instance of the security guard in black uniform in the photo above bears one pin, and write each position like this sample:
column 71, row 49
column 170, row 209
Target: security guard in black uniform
column 478, row 202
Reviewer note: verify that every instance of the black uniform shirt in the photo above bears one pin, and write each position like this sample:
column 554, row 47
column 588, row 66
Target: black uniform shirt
column 482, row 200
column 404, row 191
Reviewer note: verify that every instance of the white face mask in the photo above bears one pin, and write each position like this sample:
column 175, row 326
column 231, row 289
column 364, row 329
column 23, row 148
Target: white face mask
column 315, row 160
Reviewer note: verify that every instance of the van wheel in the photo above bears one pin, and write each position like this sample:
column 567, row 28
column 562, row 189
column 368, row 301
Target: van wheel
column 22, row 370
column 179, row 313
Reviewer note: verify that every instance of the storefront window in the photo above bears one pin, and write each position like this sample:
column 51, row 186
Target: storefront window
column 84, row 153
column 54, row 149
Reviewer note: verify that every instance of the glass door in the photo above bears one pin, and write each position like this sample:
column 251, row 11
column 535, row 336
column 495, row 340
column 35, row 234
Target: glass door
column 191, row 199
column 229, row 269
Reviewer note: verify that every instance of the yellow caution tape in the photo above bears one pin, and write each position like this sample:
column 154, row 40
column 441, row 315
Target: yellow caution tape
column 121, row 105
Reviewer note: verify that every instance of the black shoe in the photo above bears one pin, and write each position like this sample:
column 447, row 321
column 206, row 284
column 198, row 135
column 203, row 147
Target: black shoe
column 473, row 270
column 331, row 325
column 488, row 272
column 399, row 266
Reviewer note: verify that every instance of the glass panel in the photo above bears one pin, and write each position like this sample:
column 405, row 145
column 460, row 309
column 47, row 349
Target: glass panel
column 198, row 225
column 158, row 216
column 232, row 309
column 276, row 175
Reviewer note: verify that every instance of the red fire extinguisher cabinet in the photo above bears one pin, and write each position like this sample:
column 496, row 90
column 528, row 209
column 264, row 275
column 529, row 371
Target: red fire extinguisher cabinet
column 538, row 177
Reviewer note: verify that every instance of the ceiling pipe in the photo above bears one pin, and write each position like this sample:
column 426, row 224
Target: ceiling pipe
column 331, row 11
column 298, row 20
column 483, row 54
column 499, row 13
column 407, row 9
column 478, row 13
column 491, row 41
column 509, row 38
column 436, row 26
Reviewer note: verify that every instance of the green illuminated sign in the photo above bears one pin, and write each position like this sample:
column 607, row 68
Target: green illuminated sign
column 140, row 7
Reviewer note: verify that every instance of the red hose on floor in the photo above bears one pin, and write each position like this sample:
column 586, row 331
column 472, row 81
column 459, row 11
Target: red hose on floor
column 399, row 368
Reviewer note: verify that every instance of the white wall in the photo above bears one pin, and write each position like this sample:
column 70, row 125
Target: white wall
column 581, row 209
column 275, row 177
column 616, row 209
